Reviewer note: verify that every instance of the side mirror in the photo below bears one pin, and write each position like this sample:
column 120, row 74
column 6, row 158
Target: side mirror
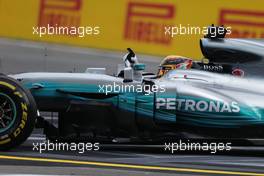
column 128, row 74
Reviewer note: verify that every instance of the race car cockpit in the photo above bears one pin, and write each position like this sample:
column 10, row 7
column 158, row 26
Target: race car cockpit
column 174, row 62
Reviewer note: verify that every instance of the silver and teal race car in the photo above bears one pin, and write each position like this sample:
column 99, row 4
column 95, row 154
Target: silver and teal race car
column 137, row 105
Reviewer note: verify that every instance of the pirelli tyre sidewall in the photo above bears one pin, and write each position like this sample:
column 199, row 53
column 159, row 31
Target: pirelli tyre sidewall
column 20, row 107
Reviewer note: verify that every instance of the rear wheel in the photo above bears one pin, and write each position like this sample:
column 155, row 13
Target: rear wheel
column 18, row 113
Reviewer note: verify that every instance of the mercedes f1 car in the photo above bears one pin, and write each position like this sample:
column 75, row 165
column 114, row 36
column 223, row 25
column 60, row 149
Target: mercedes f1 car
column 135, row 104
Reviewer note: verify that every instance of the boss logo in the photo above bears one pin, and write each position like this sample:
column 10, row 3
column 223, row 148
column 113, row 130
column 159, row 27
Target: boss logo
column 216, row 68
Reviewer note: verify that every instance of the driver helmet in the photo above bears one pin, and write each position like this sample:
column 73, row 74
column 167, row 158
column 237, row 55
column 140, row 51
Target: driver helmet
column 174, row 62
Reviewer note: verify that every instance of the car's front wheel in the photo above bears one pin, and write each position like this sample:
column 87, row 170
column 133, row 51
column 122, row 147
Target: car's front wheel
column 18, row 113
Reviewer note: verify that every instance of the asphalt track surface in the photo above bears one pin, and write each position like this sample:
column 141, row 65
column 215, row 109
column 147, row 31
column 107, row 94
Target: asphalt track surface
column 20, row 56
column 107, row 161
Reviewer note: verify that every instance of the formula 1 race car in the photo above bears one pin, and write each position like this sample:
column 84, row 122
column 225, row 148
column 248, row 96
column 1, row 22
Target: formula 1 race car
column 134, row 105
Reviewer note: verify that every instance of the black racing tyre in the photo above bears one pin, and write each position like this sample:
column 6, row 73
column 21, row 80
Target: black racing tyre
column 18, row 112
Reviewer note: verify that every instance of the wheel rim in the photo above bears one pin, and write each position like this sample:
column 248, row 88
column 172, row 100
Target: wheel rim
column 7, row 112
